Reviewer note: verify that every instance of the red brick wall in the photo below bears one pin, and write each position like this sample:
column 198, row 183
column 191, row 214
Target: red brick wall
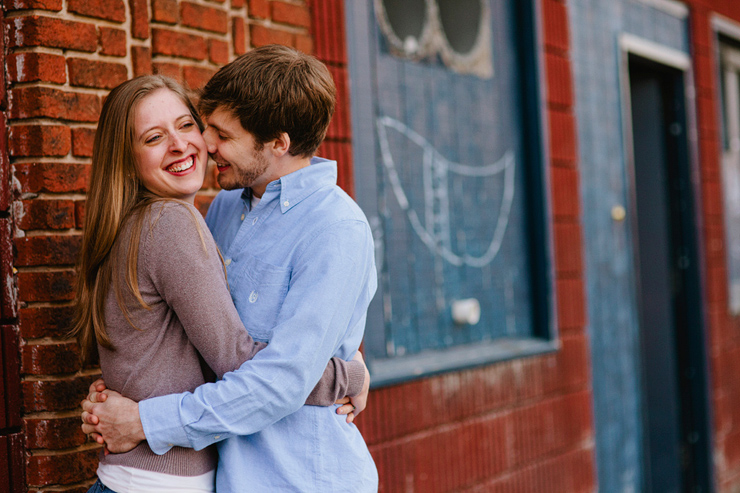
column 724, row 330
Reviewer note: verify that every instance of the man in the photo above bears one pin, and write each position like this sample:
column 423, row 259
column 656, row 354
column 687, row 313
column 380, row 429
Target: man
column 300, row 265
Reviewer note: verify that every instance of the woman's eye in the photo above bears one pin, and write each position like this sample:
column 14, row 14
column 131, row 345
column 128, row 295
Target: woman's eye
column 188, row 125
column 153, row 139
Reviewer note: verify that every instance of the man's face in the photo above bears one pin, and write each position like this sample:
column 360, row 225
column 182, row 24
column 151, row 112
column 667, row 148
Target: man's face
column 241, row 162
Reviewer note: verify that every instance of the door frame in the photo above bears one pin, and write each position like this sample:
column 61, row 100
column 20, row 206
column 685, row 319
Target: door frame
column 631, row 45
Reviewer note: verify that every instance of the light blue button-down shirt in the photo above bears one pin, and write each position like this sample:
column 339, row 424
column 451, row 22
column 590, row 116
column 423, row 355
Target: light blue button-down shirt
column 302, row 273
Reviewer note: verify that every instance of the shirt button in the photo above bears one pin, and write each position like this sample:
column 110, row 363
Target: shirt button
column 217, row 437
column 253, row 297
column 242, row 217
column 227, row 261
column 254, row 221
column 286, row 203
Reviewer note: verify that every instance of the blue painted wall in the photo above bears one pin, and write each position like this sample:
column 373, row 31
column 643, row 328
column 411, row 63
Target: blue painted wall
column 596, row 26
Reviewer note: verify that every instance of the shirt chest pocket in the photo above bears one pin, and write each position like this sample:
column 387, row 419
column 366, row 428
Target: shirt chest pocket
column 258, row 290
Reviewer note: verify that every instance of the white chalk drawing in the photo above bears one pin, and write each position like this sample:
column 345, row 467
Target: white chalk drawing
column 435, row 233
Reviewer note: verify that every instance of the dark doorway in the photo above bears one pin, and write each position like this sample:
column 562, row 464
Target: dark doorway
column 674, row 397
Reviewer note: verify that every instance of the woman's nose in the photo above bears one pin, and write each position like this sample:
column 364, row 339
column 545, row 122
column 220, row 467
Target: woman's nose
column 177, row 143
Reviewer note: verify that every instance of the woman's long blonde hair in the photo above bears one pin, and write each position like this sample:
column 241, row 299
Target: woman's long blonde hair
column 114, row 193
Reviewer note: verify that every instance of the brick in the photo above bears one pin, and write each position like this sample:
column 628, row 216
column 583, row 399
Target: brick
column 82, row 141
column 565, row 193
column 139, row 19
column 54, row 395
column 46, row 286
column 55, row 250
column 559, row 80
column 304, row 43
column 50, row 32
column 171, row 43
column 52, row 177
column 237, row 4
column 54, row 433
column 261, row 35
column 50, row 358
column 218, row 51
column 165, row 11
column 141, row 59
column 239, row 36
column 112, row 41
column 562, row 136
column 111, row 10
column 80, row 213
column 556, row 25
column 55, row 5
column 37, row 67
column 258, row 9
column 65, row 468
column 46, row 102
column 204, row 17
column 291, row 13
column 94, row 73
column 172, row 70
column 571, row 303
column 45, row 321
column 568, row 248
column 46, row 214
column 197, row 77
column 39, row 140
column 202, row 203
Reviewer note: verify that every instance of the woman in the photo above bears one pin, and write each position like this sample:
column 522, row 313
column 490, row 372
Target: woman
column 152, row 296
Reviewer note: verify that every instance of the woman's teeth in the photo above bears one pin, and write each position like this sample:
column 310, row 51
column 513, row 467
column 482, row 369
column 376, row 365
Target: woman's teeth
column 185, row 165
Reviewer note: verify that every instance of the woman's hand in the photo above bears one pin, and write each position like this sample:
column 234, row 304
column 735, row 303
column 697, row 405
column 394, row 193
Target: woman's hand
column 352, row 406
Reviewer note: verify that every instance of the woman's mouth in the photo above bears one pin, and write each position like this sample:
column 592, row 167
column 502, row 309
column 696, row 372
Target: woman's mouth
column 182, row 166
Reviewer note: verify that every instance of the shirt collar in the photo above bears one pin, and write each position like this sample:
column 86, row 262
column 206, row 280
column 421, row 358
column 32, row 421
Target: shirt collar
column 296, row 186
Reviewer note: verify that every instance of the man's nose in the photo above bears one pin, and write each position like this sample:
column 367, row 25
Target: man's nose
column 210, row 138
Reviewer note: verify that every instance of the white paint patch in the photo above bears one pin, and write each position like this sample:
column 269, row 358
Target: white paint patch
column 436, row 170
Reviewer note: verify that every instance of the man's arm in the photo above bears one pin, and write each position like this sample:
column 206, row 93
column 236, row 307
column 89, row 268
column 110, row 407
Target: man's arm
column 334, row 275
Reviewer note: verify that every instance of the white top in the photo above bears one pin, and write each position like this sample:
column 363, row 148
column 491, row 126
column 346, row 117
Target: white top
column 124, row 479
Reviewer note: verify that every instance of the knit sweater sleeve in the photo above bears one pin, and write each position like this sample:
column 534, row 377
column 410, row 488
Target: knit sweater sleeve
column 182, row 262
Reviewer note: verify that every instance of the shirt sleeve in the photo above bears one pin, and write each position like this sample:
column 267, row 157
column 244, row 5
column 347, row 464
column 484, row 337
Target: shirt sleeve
column 330, row 280
column 181, row 258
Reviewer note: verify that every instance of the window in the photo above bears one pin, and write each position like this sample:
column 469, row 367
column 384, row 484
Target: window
column 458, row 31
column 730, row 82
column 449, row 170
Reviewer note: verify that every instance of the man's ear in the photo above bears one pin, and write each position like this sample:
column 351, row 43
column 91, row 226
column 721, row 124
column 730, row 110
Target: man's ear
column 280, row 145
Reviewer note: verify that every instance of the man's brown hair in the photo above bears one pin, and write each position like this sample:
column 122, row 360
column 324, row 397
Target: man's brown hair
column 274, row 89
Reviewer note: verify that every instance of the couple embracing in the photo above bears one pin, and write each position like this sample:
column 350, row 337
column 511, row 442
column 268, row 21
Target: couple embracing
column 234, row 341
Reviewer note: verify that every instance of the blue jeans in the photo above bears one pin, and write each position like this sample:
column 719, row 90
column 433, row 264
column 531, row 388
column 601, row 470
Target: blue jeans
column 99, row 487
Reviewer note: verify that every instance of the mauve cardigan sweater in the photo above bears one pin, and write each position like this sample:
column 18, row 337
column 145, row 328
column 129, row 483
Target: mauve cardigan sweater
column 190, row 314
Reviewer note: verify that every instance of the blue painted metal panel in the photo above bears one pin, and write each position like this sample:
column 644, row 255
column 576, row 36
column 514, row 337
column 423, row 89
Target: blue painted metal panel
column 612, row 305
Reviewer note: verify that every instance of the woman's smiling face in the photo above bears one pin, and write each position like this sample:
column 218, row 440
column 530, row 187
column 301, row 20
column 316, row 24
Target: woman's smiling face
column 170, row 152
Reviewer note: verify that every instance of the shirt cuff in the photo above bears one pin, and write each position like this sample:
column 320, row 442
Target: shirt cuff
column 356, row 374
column 162, row 427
